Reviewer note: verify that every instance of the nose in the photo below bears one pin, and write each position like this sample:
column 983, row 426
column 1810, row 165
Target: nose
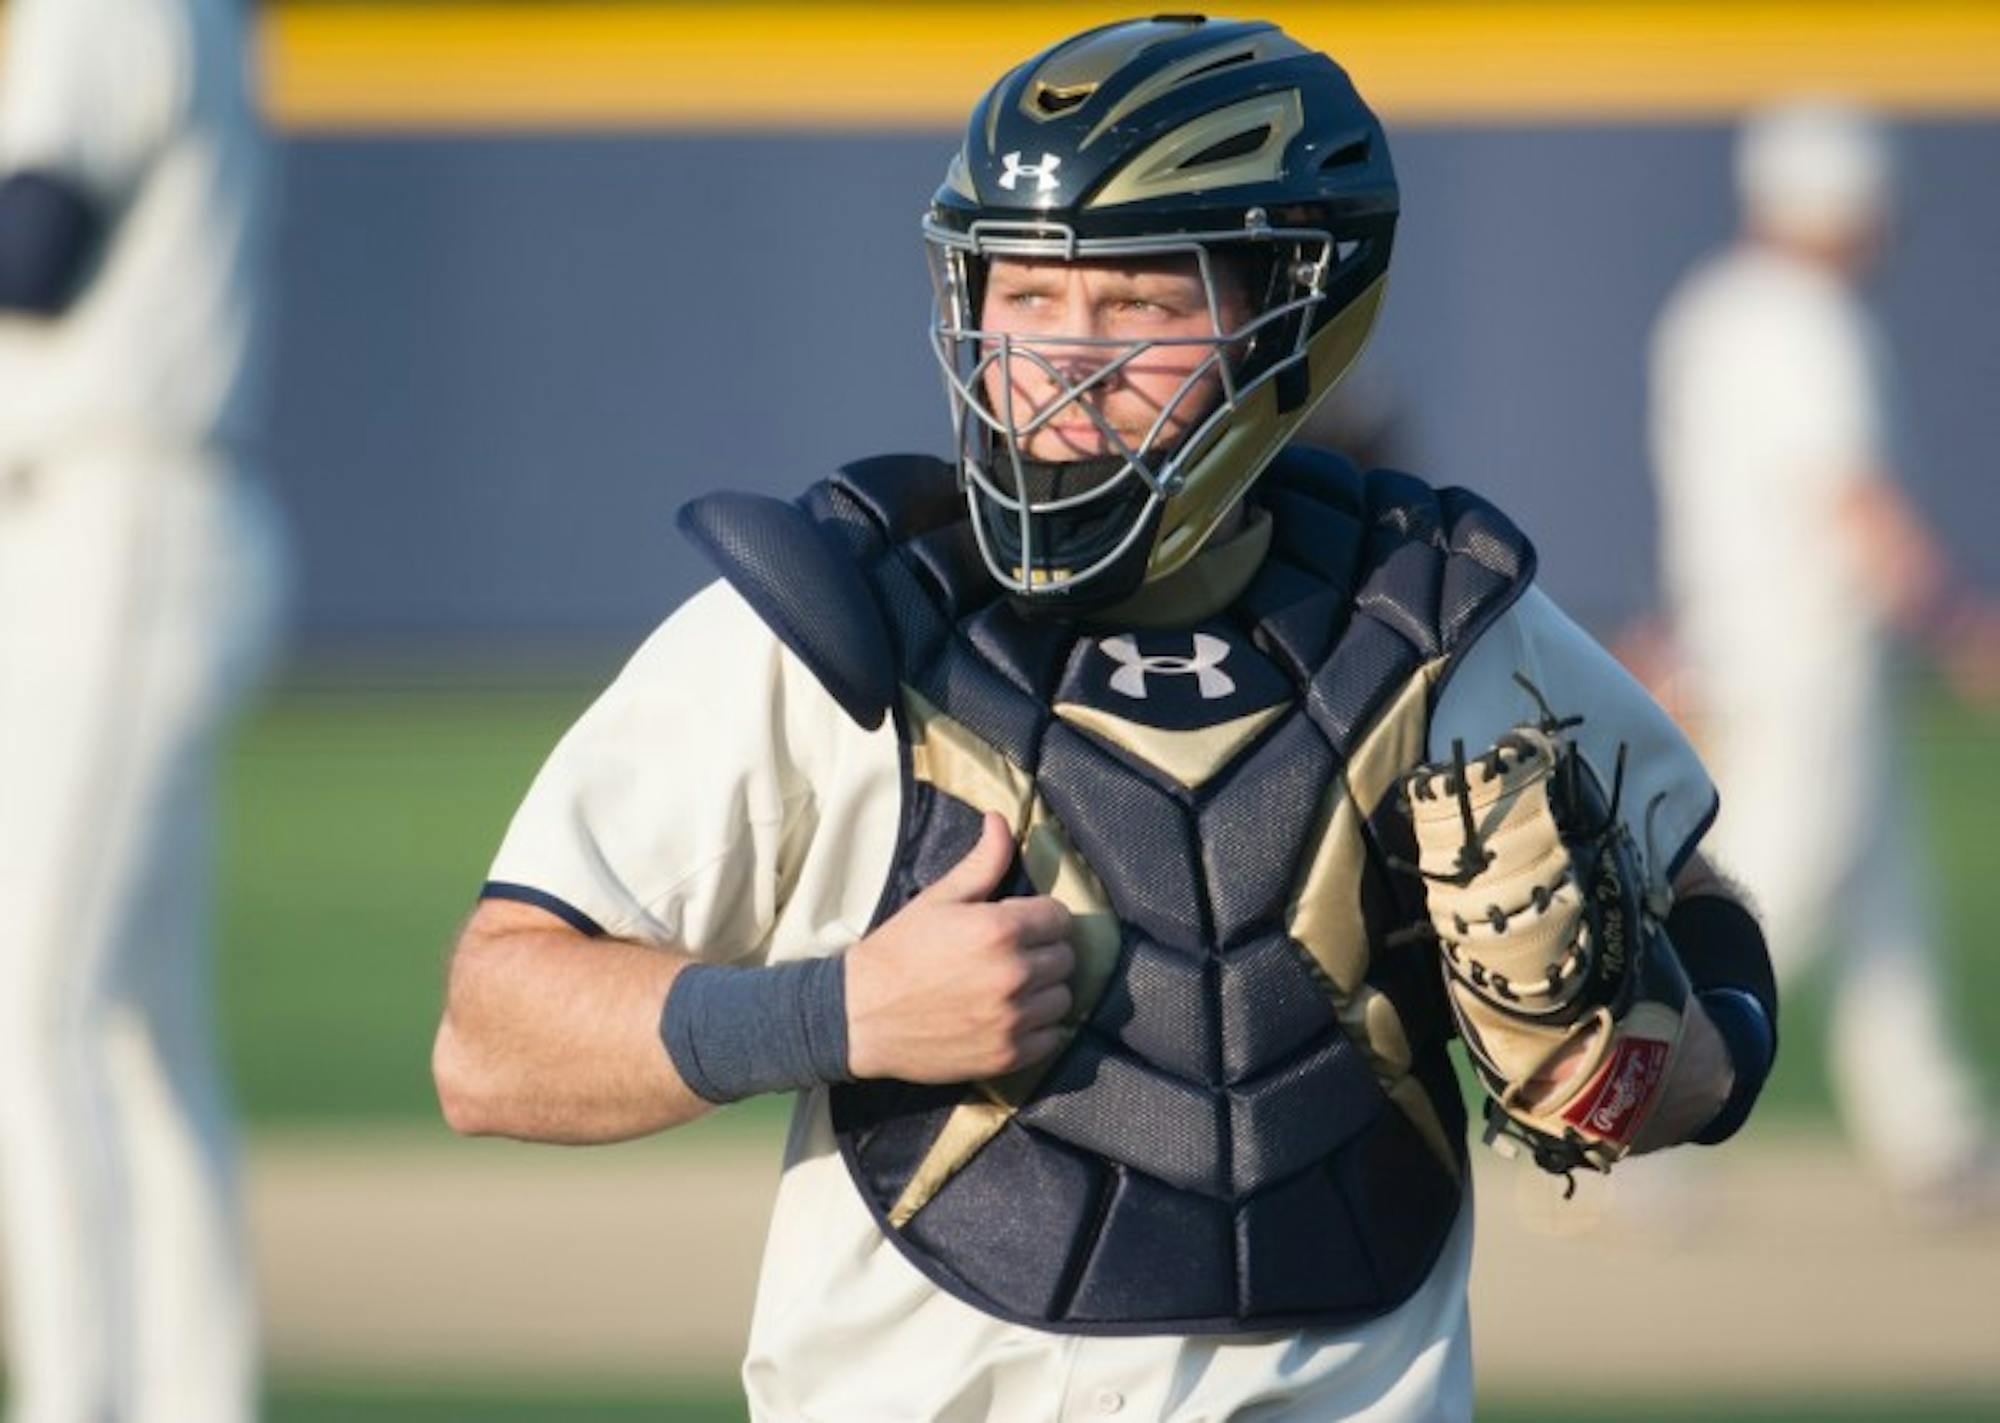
column 1069, row 350
column 1079, row 318
column 1075, row 363
column 1060, row 355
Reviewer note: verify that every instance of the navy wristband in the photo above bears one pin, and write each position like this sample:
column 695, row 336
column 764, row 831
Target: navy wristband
column 734, row 1032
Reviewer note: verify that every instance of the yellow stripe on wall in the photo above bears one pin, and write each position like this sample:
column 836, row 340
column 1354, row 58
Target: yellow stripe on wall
column 583, row 65
column 559, row 65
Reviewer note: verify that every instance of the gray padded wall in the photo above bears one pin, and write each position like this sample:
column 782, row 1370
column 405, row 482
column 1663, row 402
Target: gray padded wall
column 502, row 363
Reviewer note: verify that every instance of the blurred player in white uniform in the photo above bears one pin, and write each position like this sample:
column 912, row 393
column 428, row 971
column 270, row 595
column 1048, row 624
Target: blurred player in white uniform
column 138, row 580
column 1791, row 557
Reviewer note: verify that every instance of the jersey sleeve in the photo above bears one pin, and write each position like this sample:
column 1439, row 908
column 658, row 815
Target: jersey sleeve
column 1668, row 800
column 91, row 90
column 679, row 805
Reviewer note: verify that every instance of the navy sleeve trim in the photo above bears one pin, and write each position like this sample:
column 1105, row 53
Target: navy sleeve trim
column 562, row 909
column 1693, row 838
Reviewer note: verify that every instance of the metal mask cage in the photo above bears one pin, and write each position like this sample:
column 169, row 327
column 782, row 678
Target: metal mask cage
column 992, row 463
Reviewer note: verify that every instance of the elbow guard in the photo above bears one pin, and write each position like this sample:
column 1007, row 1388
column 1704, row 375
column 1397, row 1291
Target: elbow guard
column 1722, row 946
column 49, row 230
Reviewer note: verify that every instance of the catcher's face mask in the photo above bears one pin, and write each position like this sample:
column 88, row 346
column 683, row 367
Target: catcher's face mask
column 1086, row 359
column 1088, row 379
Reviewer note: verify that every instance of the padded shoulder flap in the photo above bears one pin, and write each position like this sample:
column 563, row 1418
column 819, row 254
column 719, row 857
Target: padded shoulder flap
column 1477, row 563
column 905, row 495
column 1454, row 520
column 806, row 587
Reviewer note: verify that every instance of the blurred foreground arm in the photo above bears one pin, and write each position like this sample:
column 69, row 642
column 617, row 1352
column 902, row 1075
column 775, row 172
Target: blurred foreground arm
column 90, row 97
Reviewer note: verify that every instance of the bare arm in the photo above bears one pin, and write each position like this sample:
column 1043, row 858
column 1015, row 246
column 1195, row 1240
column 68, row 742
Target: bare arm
column 1910, row 577
column 1696, row 1086
column 1907, row 572
column 549, row 1035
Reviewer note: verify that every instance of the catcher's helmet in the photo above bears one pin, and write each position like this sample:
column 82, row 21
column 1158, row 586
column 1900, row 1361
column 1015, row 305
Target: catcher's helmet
column 1224, row 141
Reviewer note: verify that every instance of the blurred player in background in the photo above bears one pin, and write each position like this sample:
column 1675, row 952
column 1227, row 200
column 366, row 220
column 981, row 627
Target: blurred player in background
column 138, row 578
column 1792, row 558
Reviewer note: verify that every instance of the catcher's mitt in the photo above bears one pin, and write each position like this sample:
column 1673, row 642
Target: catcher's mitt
column 1551, row 944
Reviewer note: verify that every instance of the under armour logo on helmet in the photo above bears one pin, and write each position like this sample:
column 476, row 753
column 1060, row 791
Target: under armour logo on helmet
column 1205, row 666
column 1044, row 172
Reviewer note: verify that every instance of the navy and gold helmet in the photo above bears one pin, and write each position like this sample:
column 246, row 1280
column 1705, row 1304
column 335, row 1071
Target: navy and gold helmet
column 1171, row 138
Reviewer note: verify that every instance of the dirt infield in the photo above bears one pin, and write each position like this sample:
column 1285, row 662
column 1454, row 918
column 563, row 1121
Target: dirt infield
column 414, row 1253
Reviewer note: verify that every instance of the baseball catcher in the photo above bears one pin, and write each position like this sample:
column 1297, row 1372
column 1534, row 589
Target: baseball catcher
column 1036, row 816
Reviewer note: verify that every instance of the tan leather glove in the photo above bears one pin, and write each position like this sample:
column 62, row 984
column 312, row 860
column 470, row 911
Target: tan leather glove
column 1566, row 991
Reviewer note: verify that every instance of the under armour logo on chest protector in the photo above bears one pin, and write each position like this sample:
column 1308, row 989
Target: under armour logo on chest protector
column 1134, row 666
column 1169, row 680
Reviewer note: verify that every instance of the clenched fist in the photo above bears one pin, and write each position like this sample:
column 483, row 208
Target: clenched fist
column 952, row 988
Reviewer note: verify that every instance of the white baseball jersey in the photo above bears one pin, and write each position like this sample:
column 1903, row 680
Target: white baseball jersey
column 1767, row 406
column 718, row 798
column 145, row 105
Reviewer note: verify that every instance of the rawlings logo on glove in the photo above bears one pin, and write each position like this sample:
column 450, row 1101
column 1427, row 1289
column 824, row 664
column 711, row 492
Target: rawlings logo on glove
column 1569, row 998
column 1629, row 1082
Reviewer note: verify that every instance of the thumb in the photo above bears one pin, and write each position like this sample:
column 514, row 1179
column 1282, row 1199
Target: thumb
column 982, row 869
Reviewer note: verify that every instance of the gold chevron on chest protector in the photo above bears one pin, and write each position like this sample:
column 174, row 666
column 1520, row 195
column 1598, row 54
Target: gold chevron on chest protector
column 1324, row 915
column 1190, row 757
column 949, row 756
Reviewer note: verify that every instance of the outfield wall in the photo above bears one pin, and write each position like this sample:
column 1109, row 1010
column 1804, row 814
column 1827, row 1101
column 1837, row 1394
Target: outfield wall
column 505, row 359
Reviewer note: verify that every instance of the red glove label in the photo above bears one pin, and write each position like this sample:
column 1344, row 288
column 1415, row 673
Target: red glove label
column 1613, row 1106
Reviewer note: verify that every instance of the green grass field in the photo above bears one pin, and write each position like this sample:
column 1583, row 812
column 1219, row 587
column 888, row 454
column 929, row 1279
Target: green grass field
column 358, row 826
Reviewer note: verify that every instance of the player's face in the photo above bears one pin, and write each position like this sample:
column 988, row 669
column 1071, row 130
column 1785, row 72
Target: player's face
column 1043, row 302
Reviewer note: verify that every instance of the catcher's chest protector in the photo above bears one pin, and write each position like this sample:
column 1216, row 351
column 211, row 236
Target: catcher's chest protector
column 1253, row 1123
